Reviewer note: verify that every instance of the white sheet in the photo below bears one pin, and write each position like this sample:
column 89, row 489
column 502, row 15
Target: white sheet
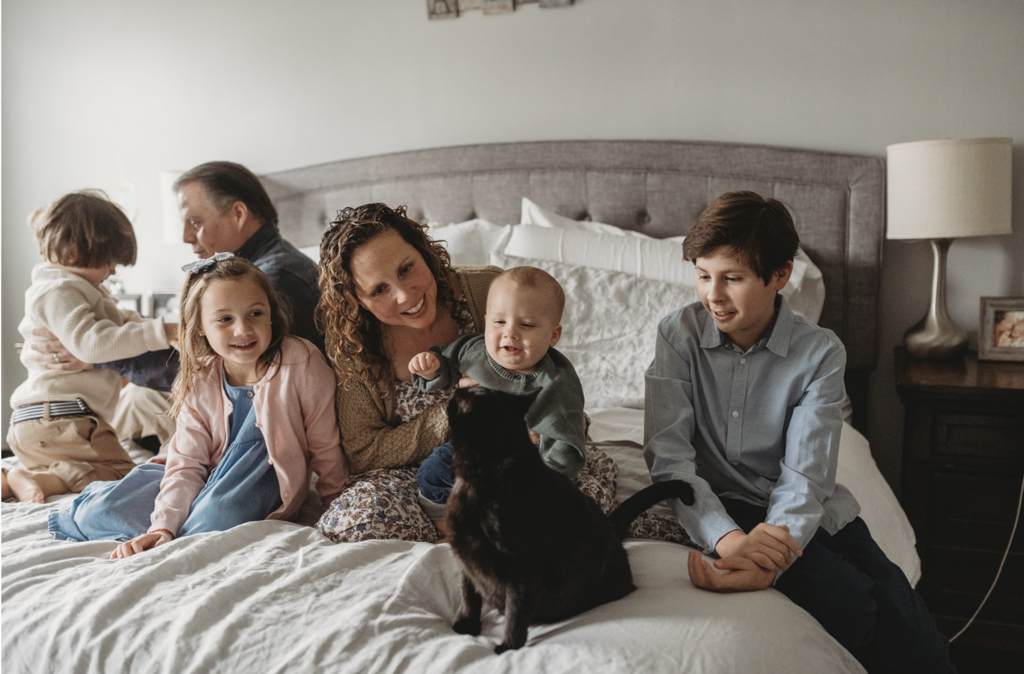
column 279, row 597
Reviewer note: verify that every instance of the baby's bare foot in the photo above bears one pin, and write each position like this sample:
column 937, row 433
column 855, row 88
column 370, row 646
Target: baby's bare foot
column 31, row 487
column 7, row 493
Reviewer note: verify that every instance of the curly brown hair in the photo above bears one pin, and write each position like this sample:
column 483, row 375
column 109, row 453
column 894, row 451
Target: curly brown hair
column 194, row 349
column 353, row 335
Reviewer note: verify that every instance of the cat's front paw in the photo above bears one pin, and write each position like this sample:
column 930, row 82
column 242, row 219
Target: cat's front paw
column 502, row 647
column 467, row 625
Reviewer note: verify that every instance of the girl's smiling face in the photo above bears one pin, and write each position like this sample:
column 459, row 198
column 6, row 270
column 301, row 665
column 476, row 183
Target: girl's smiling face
column 235, row 319
column 738, row 300
column 393, row 282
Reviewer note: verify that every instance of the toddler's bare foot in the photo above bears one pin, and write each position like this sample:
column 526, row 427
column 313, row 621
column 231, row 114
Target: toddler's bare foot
column 446, row 532
column 32, row 487
column 7, row 493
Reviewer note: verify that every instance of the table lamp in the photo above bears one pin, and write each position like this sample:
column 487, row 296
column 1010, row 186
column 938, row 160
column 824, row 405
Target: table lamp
column 941, row 190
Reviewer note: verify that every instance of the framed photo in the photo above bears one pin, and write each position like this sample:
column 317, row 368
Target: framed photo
column 1002, row 329
column 165, row 302
column 129, row 303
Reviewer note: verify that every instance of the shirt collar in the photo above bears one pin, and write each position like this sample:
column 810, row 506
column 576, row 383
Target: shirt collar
column 262, row 238
column 776, row 340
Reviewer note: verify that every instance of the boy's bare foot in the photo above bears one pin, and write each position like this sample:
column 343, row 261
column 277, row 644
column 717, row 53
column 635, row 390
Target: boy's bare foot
column 34, row 487
column 7, row 493
column 446, row 532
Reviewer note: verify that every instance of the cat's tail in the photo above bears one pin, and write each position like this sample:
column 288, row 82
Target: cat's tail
column 631, row 508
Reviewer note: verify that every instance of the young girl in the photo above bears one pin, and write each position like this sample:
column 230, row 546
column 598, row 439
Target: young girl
column 255, row 412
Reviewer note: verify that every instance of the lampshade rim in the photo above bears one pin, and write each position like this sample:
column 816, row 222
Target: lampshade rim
column 955, row 141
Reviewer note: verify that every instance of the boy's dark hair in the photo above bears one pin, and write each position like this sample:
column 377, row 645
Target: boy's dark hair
column 225, row 183
column 84, row 229
column 759, row 230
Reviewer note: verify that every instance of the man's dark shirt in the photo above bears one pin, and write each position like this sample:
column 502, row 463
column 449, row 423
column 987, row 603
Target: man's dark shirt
column 291, row 274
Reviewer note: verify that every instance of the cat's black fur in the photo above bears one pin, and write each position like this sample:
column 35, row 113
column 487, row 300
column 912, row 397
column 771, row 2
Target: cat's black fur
column 528, row 541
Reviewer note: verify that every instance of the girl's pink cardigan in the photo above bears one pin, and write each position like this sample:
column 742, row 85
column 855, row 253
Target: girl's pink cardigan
column 294, row 404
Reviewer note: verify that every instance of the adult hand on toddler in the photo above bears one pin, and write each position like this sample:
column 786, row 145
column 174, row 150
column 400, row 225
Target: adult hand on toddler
column 744, row 575
column 140, row 543
column 425, row 365
column 51, row 353
column 767, row 545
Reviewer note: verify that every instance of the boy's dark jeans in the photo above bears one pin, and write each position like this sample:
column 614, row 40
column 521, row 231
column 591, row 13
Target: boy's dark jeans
column 436, row 475
column 860, row 597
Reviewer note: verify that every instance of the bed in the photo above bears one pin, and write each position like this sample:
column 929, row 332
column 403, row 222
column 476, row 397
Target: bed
column 604, row 217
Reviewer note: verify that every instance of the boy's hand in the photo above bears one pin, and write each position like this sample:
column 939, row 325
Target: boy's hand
column 744, row 575
column 51, row 353
column 767, row 545
column 171, row 330
column 425, row 365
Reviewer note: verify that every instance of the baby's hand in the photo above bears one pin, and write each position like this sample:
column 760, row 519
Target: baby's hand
column 425, row 365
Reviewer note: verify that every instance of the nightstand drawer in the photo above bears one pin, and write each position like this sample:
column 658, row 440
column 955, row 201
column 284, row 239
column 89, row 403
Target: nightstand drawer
column 973, row 511
column 1000, row 437
column 956, row 581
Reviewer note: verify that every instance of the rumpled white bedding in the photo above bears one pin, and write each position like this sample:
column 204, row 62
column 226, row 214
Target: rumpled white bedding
column 279, row 597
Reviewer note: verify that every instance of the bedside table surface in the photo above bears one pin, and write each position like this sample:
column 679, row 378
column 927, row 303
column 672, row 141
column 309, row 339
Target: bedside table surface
column 960, row 375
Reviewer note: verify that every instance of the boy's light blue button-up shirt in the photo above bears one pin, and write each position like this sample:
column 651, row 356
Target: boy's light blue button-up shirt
column 761, row 426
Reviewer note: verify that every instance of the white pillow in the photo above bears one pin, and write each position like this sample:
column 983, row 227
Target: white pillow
column 594, row 244
column 469, row 242
column 609, row 325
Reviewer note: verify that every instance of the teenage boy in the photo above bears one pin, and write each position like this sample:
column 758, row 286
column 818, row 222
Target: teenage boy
column 743, row 402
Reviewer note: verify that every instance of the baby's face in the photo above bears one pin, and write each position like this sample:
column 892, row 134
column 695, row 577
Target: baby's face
column 520, row 325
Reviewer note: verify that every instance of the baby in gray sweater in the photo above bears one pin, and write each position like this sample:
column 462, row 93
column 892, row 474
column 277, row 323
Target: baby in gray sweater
column 514, row 354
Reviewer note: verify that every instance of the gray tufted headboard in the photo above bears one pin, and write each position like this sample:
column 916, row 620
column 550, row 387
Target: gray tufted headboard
column 655, row 187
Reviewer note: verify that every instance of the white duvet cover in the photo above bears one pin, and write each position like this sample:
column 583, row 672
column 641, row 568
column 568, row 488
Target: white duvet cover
column 279, row 597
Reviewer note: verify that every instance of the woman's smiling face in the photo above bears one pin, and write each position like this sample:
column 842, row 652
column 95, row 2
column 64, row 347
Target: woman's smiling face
column 393, row 282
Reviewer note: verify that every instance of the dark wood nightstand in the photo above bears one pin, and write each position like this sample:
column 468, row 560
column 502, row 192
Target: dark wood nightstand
column 962, row 470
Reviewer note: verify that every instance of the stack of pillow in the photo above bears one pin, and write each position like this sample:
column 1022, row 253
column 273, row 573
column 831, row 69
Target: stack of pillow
column 618, row 285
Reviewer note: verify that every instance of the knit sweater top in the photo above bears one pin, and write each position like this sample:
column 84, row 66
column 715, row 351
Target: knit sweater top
column 88, row 323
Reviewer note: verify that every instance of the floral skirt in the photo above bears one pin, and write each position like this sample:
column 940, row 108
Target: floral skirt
column 383, row 504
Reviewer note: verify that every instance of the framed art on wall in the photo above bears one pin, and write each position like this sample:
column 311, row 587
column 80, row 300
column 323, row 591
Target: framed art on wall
column 1001, row 336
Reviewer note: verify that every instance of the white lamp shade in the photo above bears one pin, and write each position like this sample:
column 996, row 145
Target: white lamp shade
column 947, row 189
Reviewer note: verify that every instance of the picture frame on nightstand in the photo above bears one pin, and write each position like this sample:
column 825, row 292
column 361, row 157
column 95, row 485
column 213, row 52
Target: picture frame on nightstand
column 1001, row 335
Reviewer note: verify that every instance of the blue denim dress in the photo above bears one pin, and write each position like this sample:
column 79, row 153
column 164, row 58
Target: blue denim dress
column 242, row 488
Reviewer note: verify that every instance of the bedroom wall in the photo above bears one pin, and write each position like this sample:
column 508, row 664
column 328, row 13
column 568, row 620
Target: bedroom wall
column 111, row 92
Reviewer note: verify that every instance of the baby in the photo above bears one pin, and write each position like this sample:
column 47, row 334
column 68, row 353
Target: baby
column 515, row 354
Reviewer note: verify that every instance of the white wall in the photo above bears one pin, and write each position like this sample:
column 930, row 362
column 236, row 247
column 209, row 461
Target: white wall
column 114, row 91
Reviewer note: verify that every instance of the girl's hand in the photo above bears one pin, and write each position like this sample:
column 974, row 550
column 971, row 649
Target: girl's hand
column 140, row 543
column 767, row 545
column 425, row 365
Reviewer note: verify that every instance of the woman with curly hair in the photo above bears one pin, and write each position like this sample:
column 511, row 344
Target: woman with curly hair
column 388, row 292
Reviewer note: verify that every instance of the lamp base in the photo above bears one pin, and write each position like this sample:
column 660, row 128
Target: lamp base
column 936, row 336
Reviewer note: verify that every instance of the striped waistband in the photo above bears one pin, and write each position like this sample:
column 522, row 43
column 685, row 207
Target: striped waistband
column 63, row 408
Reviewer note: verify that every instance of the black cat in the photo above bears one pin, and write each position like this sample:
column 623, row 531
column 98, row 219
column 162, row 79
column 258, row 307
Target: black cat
column 528, row 541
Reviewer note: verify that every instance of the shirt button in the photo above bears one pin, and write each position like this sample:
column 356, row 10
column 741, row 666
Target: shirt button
column 743, row 361
column 248, row 394
column 734, row 415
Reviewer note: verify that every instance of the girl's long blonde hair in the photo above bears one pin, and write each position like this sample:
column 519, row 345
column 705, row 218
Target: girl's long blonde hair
column 355, row 341
column 194, row 349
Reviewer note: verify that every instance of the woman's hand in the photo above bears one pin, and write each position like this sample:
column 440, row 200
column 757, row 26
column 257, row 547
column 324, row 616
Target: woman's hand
column 51, row 353
column 767, row 545
column 744, row 575
column 467, row 382
column 140, row 543
column 424, row 364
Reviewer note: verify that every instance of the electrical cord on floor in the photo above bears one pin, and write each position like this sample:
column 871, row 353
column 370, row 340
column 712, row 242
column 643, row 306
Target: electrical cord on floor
column 995, row 580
